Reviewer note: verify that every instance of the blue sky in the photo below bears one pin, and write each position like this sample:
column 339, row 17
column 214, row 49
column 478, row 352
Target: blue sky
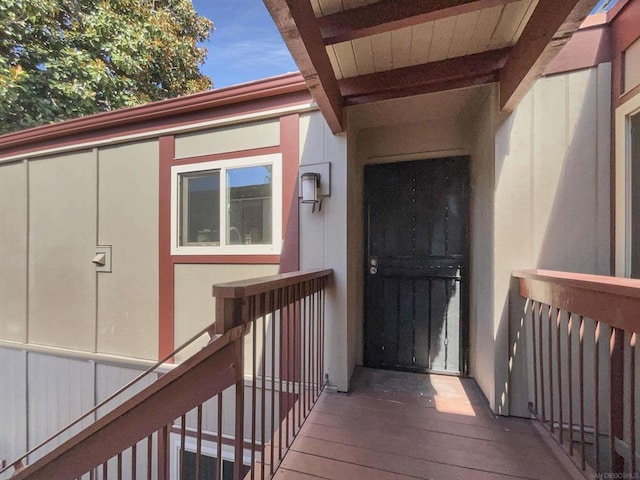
column 245, row 45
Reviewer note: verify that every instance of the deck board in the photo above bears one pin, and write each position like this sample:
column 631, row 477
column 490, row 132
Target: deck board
column 399, row 425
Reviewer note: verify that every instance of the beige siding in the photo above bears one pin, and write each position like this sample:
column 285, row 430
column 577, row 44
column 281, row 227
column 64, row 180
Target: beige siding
column 194, row 303
column 229, row 139
column 128, row 220
column 13, row 252
column 552, row 197
column 62, row 238
column 632, row 66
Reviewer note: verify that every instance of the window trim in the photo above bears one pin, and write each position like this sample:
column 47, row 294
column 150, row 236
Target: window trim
column 275, row 160
column 623, row 185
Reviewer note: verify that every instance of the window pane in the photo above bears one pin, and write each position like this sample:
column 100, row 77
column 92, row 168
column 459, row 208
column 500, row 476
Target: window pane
column 635, row 196
column 207, row 466
column 200, row 208
column 249, row 205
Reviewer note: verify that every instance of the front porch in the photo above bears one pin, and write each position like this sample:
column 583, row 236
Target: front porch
column 405, row 425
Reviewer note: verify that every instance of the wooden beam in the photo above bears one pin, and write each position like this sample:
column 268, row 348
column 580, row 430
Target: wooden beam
column 388, row 15
column 423, row 89
column 299, row 29
column 551, row 26
column 464, row 71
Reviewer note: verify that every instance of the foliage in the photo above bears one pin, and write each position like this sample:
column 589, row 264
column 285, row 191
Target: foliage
column 61, row 59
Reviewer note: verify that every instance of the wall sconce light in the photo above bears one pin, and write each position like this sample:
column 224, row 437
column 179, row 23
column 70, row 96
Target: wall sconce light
column 315, row 184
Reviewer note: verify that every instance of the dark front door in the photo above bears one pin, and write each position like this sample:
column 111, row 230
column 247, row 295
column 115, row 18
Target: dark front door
column 417, row 216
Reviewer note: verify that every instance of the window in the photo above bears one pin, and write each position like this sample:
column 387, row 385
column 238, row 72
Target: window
column 227, row 207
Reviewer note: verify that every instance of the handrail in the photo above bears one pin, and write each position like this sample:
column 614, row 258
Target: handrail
column 597, row 318
column 256, row 286
column 612, row 300
column 152, row 369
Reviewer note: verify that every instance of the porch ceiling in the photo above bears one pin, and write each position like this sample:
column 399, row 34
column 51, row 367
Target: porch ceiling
column 352, row 52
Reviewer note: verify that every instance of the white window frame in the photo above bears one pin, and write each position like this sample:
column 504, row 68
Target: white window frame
column 275, row 160
column 623, row 185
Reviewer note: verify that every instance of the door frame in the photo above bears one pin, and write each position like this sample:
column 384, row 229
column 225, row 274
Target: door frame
column 465, row 281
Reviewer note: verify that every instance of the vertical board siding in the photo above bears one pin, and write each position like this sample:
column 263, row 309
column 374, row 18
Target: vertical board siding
column 552, row 206
column 13, row 394
column 109, row 379
column 13, row 251
column 128, row 220
column 62, row 239
column 60, row 390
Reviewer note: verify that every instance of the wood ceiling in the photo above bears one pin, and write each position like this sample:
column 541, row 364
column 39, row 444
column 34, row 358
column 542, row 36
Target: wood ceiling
column 359, row 51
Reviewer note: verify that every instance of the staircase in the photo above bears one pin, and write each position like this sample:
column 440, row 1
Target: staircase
column 232, row 408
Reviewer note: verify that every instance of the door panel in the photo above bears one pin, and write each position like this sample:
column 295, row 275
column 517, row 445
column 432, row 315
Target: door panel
column 416, row 264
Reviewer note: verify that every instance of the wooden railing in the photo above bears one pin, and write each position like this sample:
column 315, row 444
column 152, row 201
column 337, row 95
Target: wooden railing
column 583, row 332
column 197, row 420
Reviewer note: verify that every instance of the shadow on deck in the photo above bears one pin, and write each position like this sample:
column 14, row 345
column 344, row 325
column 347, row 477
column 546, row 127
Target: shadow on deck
column 396, row 425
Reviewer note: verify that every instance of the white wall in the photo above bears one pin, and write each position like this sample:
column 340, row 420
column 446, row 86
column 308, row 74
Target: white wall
column 323, row 239
column 482, row 340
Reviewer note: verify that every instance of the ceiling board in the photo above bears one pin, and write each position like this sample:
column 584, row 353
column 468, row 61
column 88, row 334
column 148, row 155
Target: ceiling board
column 346, row 59
column 487, row 24
column 442, row 36
column 382, row 53
column 363, row 51
column 508, row 25
column 463, row 35
column 421, row 43
column 401, row 47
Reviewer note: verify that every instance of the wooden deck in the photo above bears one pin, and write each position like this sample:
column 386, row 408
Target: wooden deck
column 398, row 425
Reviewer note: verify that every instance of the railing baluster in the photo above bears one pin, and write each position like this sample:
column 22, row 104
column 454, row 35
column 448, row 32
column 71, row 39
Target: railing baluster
column 263, row 309
column 616, row 396
column 219, row 445
column 570, row 380
column 559, row 364
column 596, row 383
column 134, row 461
column 534, row 306
column 550, row 351
column 298, row 345
column 239, row 413
column 198, row 441
column 543, row 398
column 273, row 378
column 149, row 457
column 289, row 358
column 183, row 434
column 581, row 376
column 632, row 400
column 280, row 398
column 254, row 381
